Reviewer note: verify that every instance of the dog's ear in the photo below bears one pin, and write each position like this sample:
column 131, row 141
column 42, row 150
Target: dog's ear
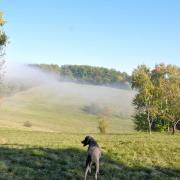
column 87, row 139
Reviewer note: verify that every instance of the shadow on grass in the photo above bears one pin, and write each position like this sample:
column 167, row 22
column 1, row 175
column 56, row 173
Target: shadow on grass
column 23, row 162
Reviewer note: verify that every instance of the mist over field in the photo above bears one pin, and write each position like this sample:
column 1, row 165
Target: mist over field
column 53, row 105
column 23, row 73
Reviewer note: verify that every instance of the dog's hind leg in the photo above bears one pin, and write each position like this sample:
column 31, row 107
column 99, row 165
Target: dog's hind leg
column 88, row 162
column 97, row 169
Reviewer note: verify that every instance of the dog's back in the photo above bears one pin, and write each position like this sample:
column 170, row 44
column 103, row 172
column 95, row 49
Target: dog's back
column 94, row 152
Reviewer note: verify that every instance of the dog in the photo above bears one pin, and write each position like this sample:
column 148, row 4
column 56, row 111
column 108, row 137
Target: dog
column 93, row 155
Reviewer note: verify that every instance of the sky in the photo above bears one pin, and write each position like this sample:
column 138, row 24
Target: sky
column 119, row 34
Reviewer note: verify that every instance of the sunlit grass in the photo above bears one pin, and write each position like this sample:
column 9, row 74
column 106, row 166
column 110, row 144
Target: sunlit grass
column 59, row 108
column 43, row 155
column 51, row 147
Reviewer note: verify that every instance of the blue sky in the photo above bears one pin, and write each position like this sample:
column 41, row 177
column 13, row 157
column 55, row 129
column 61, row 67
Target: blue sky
column 117, row 34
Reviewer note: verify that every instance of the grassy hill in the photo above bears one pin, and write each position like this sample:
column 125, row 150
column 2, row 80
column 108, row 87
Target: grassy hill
column 61, row 107
column 61, row 115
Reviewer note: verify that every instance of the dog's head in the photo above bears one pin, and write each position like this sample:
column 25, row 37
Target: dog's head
column 87, row 140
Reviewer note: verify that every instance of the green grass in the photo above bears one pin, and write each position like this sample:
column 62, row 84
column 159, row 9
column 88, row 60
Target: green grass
column 50, row 155
column 51, row 148
column 59, row 107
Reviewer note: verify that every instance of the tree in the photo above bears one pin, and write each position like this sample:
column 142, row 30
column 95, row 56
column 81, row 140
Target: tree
column 145, row 100
column 3, row 37
column 170, row 86
column 3, row 41
column 158, row 98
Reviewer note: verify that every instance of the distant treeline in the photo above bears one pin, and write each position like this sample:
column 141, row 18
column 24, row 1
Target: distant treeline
column 88, row 74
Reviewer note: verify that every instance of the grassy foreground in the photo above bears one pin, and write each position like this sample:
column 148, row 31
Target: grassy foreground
column 43, row 155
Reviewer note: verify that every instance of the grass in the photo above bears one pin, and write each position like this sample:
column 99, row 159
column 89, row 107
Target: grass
column 59, row 108
column 50, row 155
column 50, row 148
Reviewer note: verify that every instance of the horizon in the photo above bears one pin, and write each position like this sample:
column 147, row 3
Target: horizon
column 115, row 35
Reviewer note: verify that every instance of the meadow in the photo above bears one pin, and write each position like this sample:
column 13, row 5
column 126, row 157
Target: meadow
column 59, row 107
column 51, row 155
column 51, row 147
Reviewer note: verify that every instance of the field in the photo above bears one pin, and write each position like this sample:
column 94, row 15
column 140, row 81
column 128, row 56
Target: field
column 43, row 155
column 59, row 107
column 50, row 148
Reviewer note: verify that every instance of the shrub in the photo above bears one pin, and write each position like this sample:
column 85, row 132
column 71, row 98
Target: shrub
column 103, row 125
column 161, row 127
column 27, row 124
column 97, row 109
column 140, row 121
column 93, row 109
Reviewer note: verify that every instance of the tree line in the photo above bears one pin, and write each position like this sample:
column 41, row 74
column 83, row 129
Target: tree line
column 157, row 100
column 88, row 74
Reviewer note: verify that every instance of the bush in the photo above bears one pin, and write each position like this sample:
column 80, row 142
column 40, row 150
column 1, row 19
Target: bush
column 161, row 127
column 103, row 125
column 27, row 124
column 93, row 109
column 97, row 109
column 140, row 121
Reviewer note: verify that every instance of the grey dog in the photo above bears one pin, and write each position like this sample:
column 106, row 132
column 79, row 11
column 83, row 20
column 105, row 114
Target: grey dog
column 93, row 155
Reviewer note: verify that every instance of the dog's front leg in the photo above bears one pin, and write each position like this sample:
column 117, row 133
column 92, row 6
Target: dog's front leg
column 88, row 162
column 90, row 167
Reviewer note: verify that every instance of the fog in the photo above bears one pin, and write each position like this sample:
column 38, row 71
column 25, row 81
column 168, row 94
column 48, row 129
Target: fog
column 32, row 78
column 22, row 73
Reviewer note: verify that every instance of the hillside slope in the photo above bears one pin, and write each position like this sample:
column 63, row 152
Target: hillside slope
column 61, row 107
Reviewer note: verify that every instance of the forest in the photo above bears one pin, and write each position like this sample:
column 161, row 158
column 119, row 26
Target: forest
column 88, row 74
